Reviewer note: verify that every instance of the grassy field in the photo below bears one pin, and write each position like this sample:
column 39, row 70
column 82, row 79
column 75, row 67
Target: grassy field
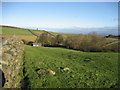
column 13, row 31
column 28, row 35
column 20, row 33
column 87, row 70
column 22, row 37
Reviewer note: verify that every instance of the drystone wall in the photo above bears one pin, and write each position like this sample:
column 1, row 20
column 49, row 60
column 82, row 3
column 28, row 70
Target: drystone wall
column 11, row 63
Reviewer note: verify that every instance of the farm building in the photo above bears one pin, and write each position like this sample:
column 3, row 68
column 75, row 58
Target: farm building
column 34, row 44
column 37, row 44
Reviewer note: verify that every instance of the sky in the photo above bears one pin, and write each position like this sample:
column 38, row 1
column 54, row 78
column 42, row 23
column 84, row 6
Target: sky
column 63, row 17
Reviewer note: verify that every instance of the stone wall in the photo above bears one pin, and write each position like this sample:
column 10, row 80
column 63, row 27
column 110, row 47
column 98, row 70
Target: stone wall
column 11, row 62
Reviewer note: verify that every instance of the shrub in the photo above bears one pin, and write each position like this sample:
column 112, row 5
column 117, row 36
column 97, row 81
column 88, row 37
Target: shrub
column 24, row 41
column 91, row 42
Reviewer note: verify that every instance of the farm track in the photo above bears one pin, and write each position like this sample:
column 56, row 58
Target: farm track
column 111, row 43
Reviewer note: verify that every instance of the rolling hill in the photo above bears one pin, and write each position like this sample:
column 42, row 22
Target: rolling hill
column 86, row 69
column 26, row 34
column 22, row 33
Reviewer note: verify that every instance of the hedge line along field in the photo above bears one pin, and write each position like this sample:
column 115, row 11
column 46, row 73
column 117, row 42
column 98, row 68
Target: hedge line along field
column 87, row 70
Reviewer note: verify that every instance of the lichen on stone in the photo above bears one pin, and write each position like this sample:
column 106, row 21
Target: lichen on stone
column 12, row 49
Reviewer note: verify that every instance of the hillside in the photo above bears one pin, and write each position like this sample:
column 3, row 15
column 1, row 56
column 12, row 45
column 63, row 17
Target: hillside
column 22, row 33
column 87, row 70
column 44, row 67
column 28, row 35
column 8, row 30
column 14, row 31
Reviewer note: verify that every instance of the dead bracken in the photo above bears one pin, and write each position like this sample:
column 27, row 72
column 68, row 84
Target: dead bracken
column 50, row 72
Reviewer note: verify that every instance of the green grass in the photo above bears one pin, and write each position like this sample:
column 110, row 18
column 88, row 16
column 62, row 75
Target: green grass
column 115, row 47
column 38, row 30
column 13, row 31
column 87, row 70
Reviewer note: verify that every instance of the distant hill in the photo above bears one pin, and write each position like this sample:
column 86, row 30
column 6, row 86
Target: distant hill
column 6, row 30
column 10, row 30
column 22, row 33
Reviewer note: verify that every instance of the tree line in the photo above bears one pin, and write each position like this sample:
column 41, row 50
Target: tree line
column 90, row 42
